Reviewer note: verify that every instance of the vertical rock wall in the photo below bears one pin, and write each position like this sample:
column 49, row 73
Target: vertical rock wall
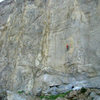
column 33, row 39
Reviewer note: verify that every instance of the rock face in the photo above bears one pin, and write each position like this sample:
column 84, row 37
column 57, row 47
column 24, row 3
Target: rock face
column 33, row 39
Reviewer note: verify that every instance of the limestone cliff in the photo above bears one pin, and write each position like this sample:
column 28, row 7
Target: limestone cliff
column 33, row 39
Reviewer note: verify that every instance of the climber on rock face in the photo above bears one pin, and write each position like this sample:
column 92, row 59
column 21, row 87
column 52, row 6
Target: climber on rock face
column 67, row 47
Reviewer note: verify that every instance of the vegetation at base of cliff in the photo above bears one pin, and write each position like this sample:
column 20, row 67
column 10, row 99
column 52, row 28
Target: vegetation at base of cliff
column 21, row 91
column 54, row 97
column 83, row 90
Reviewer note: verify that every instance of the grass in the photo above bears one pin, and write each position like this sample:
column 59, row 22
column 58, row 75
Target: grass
column 54, row 97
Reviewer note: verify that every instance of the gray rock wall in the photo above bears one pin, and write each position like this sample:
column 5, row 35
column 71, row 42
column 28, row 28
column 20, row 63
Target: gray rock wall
column 33, row 39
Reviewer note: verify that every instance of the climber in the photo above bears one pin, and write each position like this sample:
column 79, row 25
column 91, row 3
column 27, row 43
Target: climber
column 67, row 47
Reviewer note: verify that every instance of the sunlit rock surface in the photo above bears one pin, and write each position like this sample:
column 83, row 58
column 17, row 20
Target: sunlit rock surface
column 33, row 39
